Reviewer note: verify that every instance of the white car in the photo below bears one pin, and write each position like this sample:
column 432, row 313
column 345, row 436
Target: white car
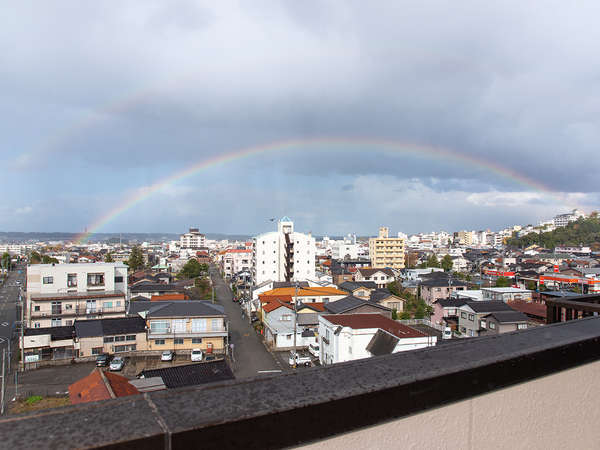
column 313, row 349
column 117, row 363
column 167, row 355
column 196, row 354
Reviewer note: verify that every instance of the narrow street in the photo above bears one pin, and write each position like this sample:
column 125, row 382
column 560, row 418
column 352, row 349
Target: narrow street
column 250, row 357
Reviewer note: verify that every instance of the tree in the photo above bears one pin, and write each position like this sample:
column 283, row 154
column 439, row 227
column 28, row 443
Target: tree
column 447, row 263
column 502, row 282
column 394, row 314
column 5, row 261
column 35, row 258
column 191, row 269
column 432, row 261
column 531, row 285
column 49, row 260
column 109, row 258
column 405, row 315
column 136, row 259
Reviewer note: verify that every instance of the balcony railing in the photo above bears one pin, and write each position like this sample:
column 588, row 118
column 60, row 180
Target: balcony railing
column 170, row 333
column 78, row 311
column 538, row 379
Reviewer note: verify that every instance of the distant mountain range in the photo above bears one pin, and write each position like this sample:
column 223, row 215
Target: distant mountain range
column 13, row 236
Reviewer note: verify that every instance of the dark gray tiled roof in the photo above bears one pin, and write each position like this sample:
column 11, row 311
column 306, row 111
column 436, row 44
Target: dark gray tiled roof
column 177, row 308
column 489, row 306
column 349, row 286
column 107, row 327
column 349, row 303
column 450, row 302
column 154, row 287
column 379, row 295
column 56, row 333
column 508, row 316
column 382, row 343
column 191, row 374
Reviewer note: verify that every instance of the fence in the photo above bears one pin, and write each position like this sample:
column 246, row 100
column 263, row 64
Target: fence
column 427, row 322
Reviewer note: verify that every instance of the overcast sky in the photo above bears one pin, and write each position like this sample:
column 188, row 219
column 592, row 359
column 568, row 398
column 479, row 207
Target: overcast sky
column 101, row 100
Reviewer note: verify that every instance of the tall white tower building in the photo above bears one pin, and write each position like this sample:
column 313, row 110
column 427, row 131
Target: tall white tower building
column 283, row 255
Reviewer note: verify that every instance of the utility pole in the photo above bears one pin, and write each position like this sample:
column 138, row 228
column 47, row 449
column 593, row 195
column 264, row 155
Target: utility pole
column 3, row 381
column 295, row 322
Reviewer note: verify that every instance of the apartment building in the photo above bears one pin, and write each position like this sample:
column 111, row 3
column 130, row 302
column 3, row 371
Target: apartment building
column 235, row 260
column 57, row 294
column 283, row 255
column 183, row 325
column 193, row 240
column 385, row 251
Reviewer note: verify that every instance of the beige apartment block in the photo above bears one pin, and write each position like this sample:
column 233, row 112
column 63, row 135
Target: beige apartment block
column 385, row 251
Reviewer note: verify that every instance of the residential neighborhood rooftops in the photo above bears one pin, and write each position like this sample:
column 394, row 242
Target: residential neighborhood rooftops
column 373, row 320
column 382, row 343
column 56, row 333
column 105, row 327
column 350, row 286
column 305, row 292
column 146, row 286
column 529, row 308
column 191, row 374
column 451, row 302
column 367, row 271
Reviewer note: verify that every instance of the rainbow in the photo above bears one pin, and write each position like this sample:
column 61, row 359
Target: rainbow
column 332, row 143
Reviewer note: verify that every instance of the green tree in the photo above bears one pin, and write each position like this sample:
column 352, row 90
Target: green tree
column 49, row 260
column 420, row 311
column 447, row 263
column 35, row 258
column 531, row 285
column 191, row 269
column 136, row 259
column 405, row 315
column 109, row 258
column 5, row 261
column 394, row 314
column 502, row 282
column 432, row 261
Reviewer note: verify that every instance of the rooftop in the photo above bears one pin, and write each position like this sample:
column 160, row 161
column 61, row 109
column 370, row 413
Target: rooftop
column 373, row 320
column 191, row 374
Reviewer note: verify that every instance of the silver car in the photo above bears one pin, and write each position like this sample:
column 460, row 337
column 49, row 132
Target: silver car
column 117, row 363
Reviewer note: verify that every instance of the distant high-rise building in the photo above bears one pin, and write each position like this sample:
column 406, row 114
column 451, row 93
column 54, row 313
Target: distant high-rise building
column 192, row 240
column 385, row 251
column 283, row 255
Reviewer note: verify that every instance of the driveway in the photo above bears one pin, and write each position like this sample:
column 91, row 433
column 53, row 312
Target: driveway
column 250, row 357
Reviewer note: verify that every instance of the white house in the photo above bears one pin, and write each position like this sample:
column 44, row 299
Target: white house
column 283, row 255
column 57, row 294
column 347, row 337
column 381, row 277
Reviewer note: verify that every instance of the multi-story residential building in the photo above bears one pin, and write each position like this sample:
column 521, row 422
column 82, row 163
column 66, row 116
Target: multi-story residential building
column 471, row 317
column 183, row 325
column 385, row 251
column 346, row 337
column 192, row 240
column 506, row 294
column 57, row 294
column 562, row 220
column 235, row 260
column 283, row 255
column 436, row 288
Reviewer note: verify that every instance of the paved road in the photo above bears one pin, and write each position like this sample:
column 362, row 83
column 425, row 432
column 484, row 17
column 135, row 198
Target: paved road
column 9, row 294
column 250, row 357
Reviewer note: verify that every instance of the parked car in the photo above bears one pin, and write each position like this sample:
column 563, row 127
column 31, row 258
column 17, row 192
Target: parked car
column 301, row 360
column 117, row 363
column 196, row 354
column 102, row 360
column 313, row 349
column 447, row 334
column 167, row 355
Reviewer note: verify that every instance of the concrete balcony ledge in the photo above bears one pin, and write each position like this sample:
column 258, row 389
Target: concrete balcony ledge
column 310, row 405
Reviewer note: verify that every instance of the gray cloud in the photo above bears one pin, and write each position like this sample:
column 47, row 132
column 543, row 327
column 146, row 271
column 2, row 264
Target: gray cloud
column 104, row 97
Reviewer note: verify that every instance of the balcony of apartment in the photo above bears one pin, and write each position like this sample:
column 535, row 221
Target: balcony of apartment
column 77, row 311
column 527, row 389
column 170, row 333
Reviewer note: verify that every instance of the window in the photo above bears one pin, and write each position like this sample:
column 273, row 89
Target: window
column 471, row 317
column 131, row 337
column 119, row 338
column 198, row 325
column 286, row 318
column 216, row 324
column 72, row 280
column 48, row 280
column 118, row 279
column 95, row 279
column 108, row 339
column 159, row 342
column 492, row 325
column 56, row 307
column 56, row 323
column 521, row 326
column 159, row 326
column 36, row 325
column 179, row 325
column 36, row 308
column 97, row 350
column 68, row 322
column 288, row 337
column 107, row 305
column 68, row 306
column 118, row 303
column 463, row 315
column 196, row 340
column 483, row 324
column 178, row 341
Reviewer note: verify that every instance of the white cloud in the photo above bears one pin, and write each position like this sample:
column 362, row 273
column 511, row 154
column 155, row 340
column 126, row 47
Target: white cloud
column 24, row 210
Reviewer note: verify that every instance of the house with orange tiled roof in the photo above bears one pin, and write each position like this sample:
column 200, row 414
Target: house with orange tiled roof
column 309, row 294
column 100, row 385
